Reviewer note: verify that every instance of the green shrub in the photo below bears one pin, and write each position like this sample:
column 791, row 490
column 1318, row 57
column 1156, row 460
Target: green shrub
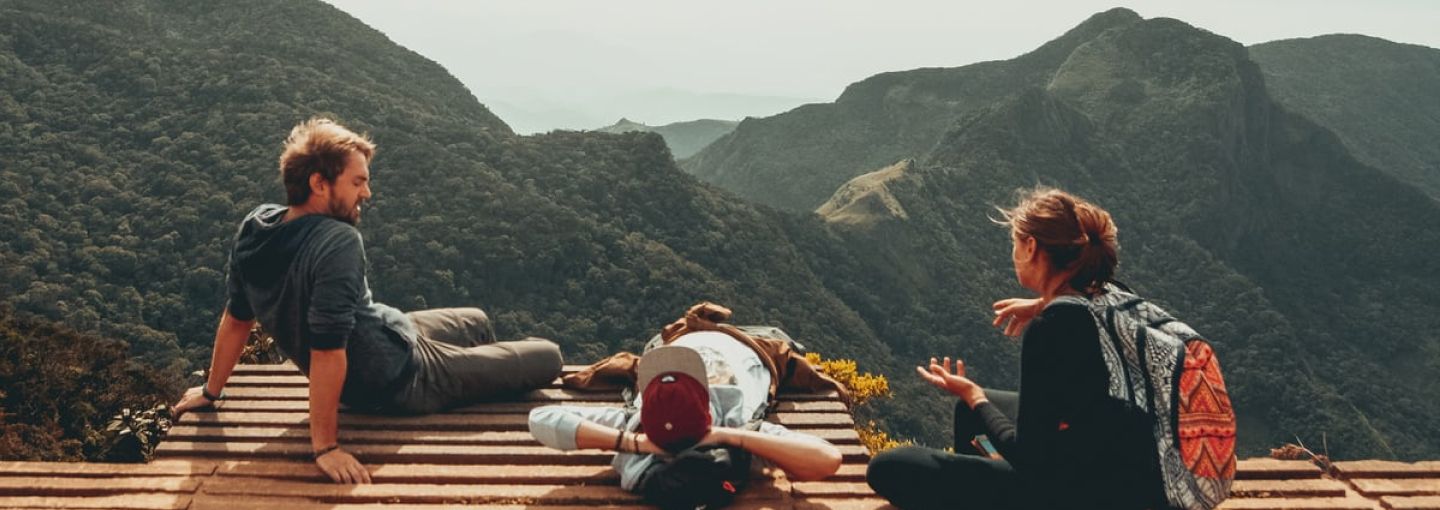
column 132, row 436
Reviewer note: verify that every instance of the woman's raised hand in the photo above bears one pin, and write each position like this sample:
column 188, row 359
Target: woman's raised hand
column 939, row 374
column 1018, row 311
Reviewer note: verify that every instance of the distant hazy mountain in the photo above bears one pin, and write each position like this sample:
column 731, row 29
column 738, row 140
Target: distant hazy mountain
column 683, row 138
column 1381, row 97
column 532, row 112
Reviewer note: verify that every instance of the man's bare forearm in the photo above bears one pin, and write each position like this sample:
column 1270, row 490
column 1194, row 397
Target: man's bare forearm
column 594, row 435
column 327, row 377
column 802, row 458
column 230, row 337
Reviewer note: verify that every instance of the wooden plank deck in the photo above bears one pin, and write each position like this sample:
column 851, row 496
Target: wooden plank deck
column 252, row 452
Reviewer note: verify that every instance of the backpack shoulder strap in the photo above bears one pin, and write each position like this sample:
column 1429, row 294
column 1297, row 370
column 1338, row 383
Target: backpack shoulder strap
column 1117, row 351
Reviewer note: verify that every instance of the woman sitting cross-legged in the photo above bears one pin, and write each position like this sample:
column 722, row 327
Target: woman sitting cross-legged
column 1064, row 443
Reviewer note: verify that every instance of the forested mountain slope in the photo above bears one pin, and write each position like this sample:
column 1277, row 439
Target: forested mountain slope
column 1382, row 98
column 1312, row 272
column 135, row 136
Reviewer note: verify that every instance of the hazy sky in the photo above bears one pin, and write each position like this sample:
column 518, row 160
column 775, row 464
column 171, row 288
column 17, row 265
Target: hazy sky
column 547, row 64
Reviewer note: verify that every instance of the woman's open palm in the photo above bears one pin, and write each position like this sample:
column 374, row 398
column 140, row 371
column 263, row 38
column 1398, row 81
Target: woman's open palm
column 939, row 374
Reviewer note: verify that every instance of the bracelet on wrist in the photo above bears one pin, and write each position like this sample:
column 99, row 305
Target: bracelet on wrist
column 323, row 451
column 619, row 440
column 205, row 392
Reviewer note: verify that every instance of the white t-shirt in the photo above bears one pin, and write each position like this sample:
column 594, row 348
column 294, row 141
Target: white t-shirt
column 731, row 405
column 729, row 362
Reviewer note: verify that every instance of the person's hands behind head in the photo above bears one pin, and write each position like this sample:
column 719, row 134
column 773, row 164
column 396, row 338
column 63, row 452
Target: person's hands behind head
column 645, row 445
column 940, row 376
column 1018, row 311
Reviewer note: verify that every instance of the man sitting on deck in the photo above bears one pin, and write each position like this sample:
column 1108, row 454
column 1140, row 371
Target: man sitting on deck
column 300, row 271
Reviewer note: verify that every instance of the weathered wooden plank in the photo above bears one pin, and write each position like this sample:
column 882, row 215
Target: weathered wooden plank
column 134, row 501
column 206, row 501
column 419, row 454
column 1412, row 502
column 288, row 368
column 547, row 394
column 846, row 435
column 445, row 493
column 56, row 486
column 505, row 407
column 302, row 393
column 211, row 433
column 419, row 493
column 302, row 434
column 1387, row 469
column 871, row 503
column 850, row 472
column 1376, row 487
column 364, row 421
column 1287, row 488
column 1345, row 503
column 519, row 421
column 433, row 473
column 108, row 470
column 271, row 380
column 813, row 420
column 296, row 381
column 1263, row 468
column 832, row 489
column 741, row 503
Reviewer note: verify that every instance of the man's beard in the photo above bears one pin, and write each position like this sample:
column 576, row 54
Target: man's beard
column 345, row 212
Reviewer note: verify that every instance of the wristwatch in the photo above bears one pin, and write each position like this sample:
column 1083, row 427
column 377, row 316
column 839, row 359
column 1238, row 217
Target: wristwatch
column 205, row 392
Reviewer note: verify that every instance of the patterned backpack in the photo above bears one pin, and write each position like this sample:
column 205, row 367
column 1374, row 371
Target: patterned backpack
column 1161, row 366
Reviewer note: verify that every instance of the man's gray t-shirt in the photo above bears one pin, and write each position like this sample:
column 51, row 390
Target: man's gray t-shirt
column 304, row 281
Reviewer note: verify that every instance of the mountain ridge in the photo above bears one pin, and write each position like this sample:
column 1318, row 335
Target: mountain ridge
column 684, row 138
column 794, row 161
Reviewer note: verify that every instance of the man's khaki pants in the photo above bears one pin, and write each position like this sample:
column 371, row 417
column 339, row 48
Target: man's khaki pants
column 459, row 362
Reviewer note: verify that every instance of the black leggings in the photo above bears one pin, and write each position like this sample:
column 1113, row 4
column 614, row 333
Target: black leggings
column 919, row 478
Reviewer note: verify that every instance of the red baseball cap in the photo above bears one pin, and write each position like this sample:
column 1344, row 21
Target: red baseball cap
column 675, row 397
